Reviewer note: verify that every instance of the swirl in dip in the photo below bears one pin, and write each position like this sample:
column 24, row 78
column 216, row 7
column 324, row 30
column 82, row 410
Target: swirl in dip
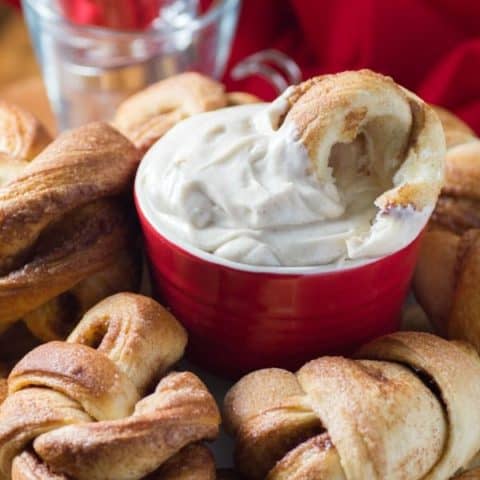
column 242, row 183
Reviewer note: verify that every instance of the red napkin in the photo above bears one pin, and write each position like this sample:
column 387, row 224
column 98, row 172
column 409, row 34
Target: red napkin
column 430, row 46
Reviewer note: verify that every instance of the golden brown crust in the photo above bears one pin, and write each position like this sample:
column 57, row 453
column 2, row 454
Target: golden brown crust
column 180, row 412
column 29, row 413
column 57, row 230
column 194, row 462
column 27, row 466
column 86, row 242
column 314, row 459
column 287, row 421
column 312, row 102
column 277, row 384
column 464, row 319
column 70, row 384
column 403, row 129
column 458, row 206
column 447, row 273
column 462, row 170
column 470, row 475
column 80, row 373
column 453, row 367
column 364, row 428
column 434, row 280
column 264, row 441
column 456, row 130
column 128, row 328
column 366, row 425
column 81, row 166
column 22, row 136
column 456, row 214
column 149, row 114
column 446, row 283
column 54, row 236
column 57, row 318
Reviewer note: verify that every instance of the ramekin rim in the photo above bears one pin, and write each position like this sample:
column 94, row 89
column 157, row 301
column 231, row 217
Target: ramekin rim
column 243, row 267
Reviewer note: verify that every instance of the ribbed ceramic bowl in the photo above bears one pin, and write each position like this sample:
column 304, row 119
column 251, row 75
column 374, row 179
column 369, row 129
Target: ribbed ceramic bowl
column 241, row 317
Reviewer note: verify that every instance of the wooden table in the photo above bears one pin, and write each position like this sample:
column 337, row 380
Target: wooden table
column 20, row 80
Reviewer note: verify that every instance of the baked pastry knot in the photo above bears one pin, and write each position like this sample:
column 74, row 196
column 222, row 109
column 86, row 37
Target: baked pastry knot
column 61, row 223
column 359, row 125
column 403, row 410
column 149, row 114
column 78, row 410
column 448, row 273
column 446, row 283
column 22, row 138
column 458, row 207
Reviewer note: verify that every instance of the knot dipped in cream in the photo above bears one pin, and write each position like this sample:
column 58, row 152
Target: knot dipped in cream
column 343, row 167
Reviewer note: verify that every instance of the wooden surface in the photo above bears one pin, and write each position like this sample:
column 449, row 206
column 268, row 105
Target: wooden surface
column 20, row 80
column 16, row 54
column 30, row 94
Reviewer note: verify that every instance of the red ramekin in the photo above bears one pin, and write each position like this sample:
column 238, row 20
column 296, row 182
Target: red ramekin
column 241, row 318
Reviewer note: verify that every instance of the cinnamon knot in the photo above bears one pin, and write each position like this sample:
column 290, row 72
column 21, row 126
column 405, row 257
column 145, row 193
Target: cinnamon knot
column 403, row 410
column 78, row 410
column 66, row 240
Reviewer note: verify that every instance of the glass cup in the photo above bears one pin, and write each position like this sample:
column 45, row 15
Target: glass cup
column 89, row 70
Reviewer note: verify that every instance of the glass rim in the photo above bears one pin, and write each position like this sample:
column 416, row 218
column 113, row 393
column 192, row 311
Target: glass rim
column 217, row 9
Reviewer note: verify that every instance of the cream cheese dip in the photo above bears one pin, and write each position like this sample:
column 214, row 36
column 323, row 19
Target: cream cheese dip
column 238, row 183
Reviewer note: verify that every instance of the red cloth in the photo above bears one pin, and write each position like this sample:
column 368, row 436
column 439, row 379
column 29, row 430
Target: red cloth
column 430, row 46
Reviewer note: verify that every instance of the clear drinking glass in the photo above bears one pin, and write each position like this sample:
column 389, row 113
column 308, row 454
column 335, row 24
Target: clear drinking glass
column 89, row 70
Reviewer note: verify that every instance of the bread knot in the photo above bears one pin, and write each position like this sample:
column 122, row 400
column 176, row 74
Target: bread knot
column 403, row 409
column 401, row 134
column 78, row 409
column 458, row 208
column 66, row 239
column 448, row 273
column 149, row 114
